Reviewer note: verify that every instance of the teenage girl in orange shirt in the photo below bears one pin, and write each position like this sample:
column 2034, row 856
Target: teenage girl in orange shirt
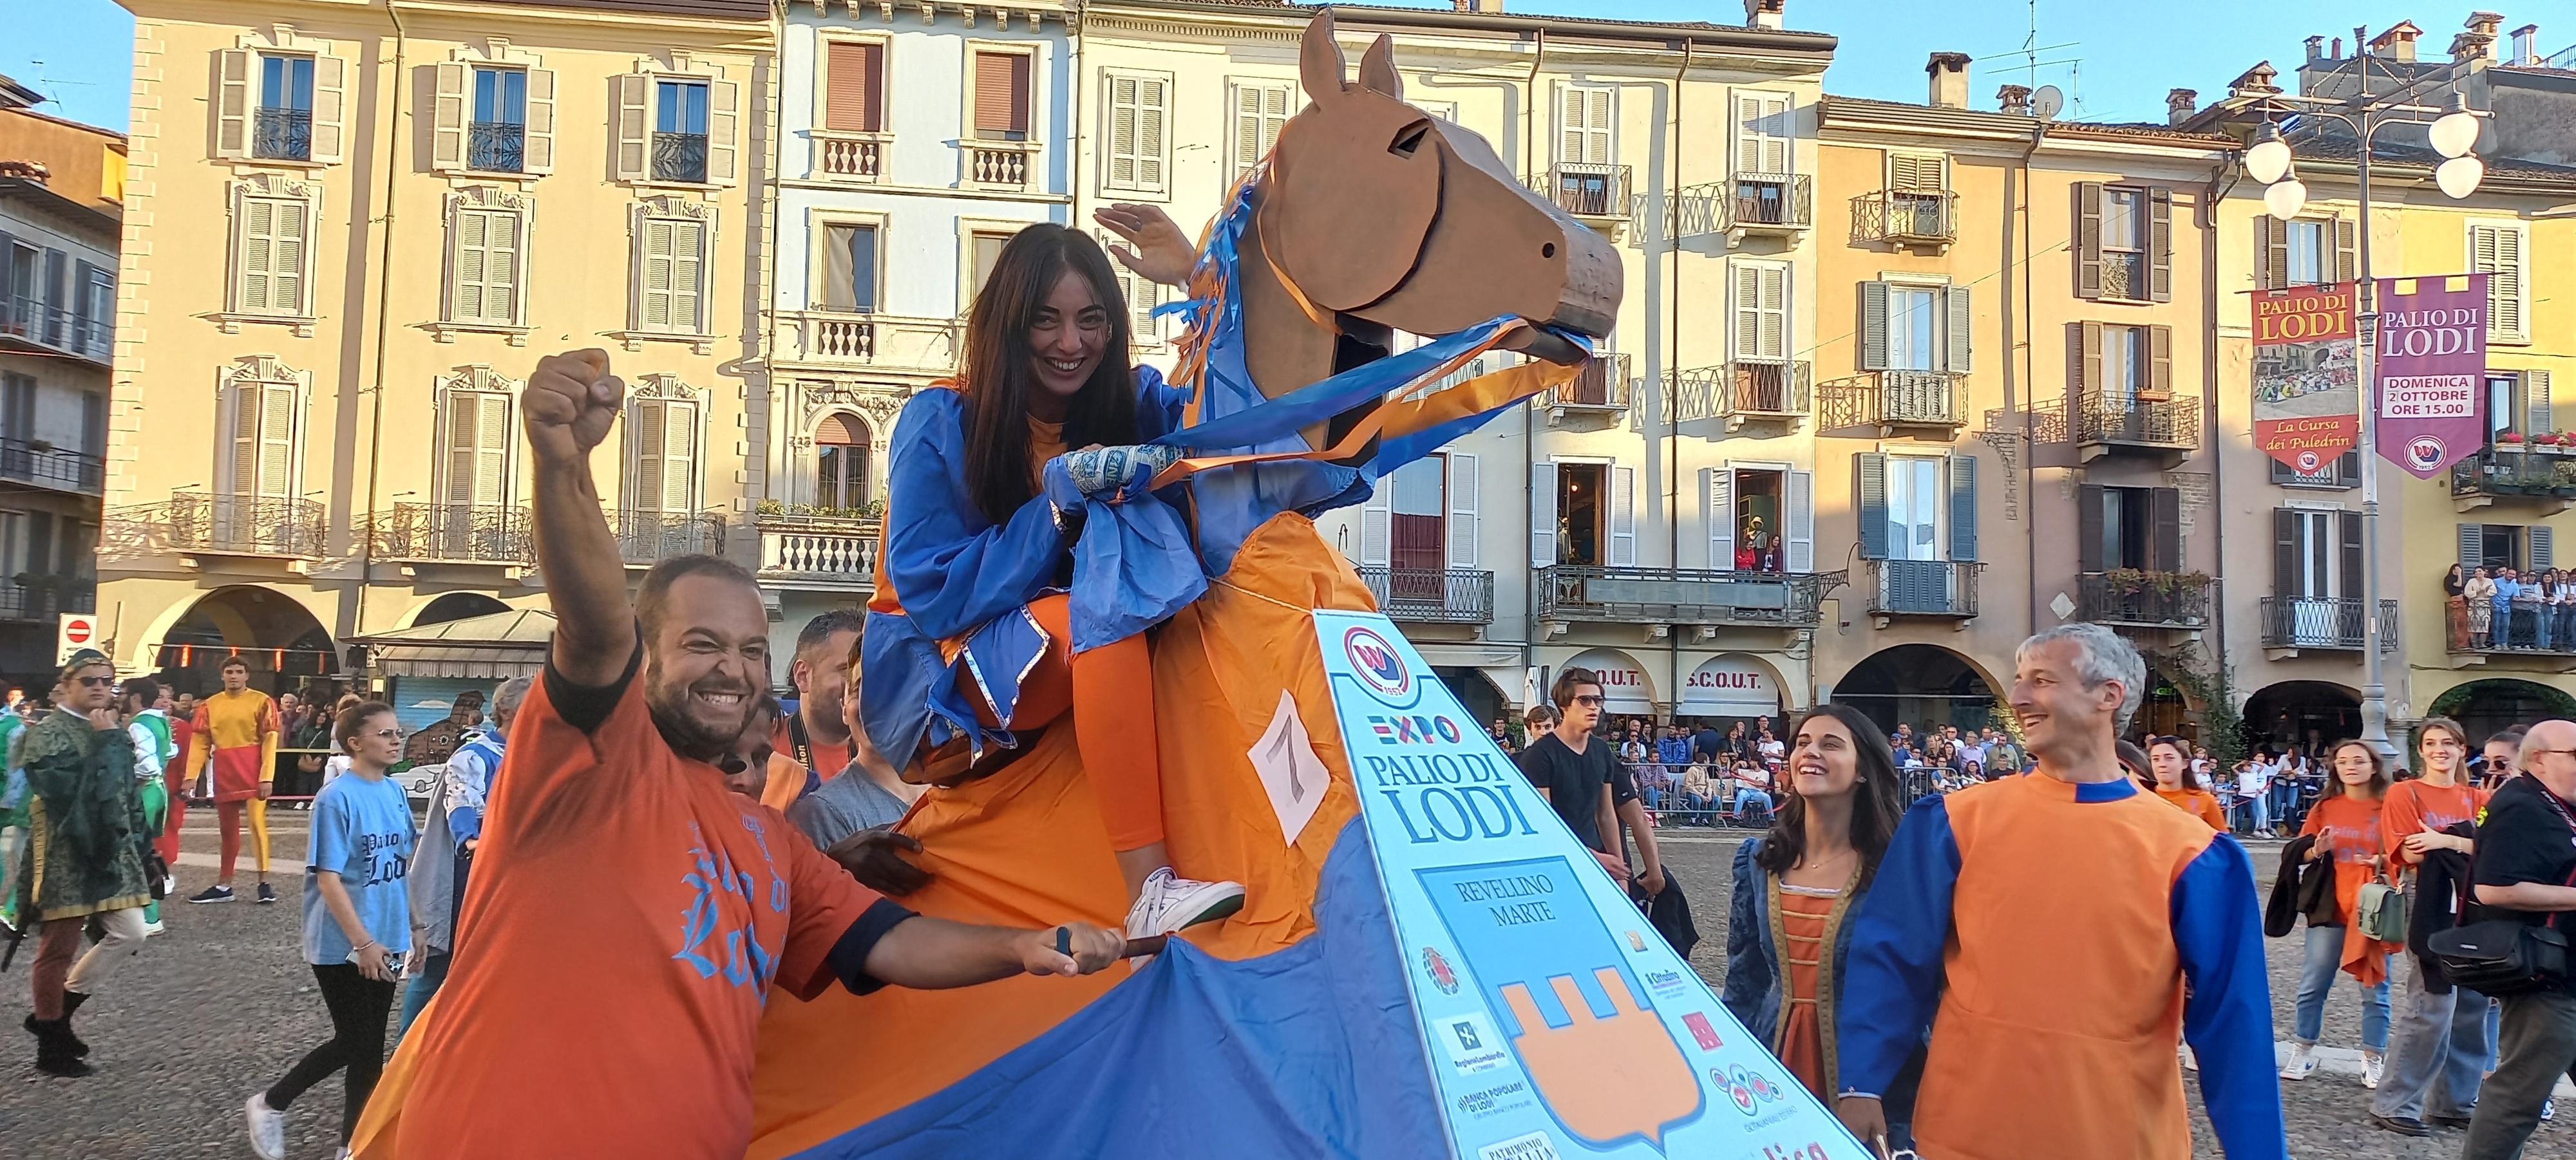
column 2345, row 823
column 2175, row 781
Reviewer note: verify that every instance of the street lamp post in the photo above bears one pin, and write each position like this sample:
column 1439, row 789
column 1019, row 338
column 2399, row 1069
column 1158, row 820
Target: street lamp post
column 2453, row 132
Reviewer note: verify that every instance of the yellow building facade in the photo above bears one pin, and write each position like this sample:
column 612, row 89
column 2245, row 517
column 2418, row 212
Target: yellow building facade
column 351, row 231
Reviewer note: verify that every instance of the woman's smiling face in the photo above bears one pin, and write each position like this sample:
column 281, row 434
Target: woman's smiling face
column 1069, row 336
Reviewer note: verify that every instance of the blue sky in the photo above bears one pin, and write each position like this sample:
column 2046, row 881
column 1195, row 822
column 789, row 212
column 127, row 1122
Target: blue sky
column 2114, row 62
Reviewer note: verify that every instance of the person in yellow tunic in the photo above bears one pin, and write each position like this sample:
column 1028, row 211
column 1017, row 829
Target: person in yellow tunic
column 236, row 735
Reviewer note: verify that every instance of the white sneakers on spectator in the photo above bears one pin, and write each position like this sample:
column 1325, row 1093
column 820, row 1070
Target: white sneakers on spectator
column 2373, row 1066
column 2303, row 1060
column 1169, row 903
column 267, row 1128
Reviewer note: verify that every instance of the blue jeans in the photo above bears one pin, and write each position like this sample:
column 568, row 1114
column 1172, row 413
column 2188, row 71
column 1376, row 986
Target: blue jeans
column 2257, row 814
column 1654, row 795
column 1743, row 792
column 2317, row 976
column 2440, row 1048
column 416, row 993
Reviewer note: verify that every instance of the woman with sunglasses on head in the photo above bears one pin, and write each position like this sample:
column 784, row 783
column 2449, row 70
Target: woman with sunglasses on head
column 84, row 855
column 2345, row 827
column 1796, row 889
column 357, row 922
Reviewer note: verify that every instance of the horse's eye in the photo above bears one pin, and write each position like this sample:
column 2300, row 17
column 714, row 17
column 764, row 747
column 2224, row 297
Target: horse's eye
column 1410, row 139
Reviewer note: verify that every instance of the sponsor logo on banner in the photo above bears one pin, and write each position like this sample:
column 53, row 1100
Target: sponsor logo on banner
column 2307, row 375
column 1701, row 1032
column 1665, row 982
column 1535, row 1146
column 1414, row 730
column 1442, row 974
column 1746, row 1089
column 1485, row 1101
column 1807, row 1151
column 1376, row 663
column 1471, row 1043
column 2431, row 365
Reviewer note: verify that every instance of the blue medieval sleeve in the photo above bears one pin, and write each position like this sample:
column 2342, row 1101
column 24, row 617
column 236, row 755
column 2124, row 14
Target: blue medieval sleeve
column 1134, row 564
column 1892, row 974
column 2227, row 1014
column 951, row 569
column 1748, row 970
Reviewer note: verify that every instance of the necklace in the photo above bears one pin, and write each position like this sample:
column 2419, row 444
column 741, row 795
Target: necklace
column 1821, row 863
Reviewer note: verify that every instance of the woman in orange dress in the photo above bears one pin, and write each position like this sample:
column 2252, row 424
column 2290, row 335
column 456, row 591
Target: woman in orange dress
column 2169, row 759
column 1796, row 888
column 2345, row 824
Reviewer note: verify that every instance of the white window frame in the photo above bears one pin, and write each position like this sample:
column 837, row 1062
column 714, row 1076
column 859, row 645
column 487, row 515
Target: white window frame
column 818, row 231
column 1271, row 125
column 670, row 208
column 1940, row 500
column 2521, row 230
column 680, row 66
column 270, row 187
column 1161, row 155
column 330, row 133
column 537, row 150
column 475, row 383
column 967, row 229
column 485, row 199
column 1737, row 134
column 807, row 472
column 667, row 391
column 2290, row 229
column 261, row 371
column 1788, row 310
column 1607, row 132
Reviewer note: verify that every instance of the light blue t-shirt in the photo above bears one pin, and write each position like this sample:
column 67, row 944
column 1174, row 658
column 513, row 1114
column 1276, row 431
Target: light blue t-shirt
column 362, row 829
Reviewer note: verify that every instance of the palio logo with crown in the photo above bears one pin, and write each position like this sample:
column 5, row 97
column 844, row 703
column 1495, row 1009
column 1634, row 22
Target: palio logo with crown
column 1376, row 663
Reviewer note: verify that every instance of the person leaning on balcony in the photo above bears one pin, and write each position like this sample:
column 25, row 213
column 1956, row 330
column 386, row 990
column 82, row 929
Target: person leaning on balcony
column 2480, row 592
column 2454, row 588
column 2508, row 588
column 2529, row 630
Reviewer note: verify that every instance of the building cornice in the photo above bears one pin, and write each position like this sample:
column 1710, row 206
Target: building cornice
column 1796, row 49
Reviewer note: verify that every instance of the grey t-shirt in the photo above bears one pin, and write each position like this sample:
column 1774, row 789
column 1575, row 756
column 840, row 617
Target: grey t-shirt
column 844, row 806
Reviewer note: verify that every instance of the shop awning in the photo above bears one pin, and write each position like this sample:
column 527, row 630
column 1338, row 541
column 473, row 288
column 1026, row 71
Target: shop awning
column 495, row 646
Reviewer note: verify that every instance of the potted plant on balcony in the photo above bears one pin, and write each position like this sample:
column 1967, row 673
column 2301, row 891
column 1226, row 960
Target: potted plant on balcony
column 2509, row 441
column 2546, row 442
column 773, row 511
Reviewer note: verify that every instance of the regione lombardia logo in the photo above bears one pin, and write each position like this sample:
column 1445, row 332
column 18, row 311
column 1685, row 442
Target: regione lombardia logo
column 2424, row 452
column 1376, row 662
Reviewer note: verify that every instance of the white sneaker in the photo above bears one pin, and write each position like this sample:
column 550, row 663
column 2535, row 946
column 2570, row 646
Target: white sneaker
column 1169, row 903
column 267, row 1128
column 2548, row 1110
column 2302, row 1061
column 2373, row 1066
column 153, row 928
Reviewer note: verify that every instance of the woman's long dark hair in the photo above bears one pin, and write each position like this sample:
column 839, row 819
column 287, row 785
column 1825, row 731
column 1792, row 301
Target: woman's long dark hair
column 995, row 374
column 1878, row 798
column 2190, row 776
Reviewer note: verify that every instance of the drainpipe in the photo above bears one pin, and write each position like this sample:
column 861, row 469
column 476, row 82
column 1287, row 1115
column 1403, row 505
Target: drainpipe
column 2029, row 384
column 384, row 314
column 2221, row 181
column 1672, row 358
column 1529, row 426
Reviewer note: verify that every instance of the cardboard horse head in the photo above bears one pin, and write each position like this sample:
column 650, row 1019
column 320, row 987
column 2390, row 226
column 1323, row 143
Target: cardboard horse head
column 1383, row 216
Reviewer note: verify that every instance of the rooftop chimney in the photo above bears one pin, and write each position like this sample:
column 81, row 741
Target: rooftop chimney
column 1489, row 7
column 2180, row 104
column 2015, row 99
column 2255, row 81
column 1763, row 13
column 2526, row 45
column 2398, row 43
column 2316, row 47
column 1949, row 80
column 2469, row 46
column 2486, row 24
column 34, row 171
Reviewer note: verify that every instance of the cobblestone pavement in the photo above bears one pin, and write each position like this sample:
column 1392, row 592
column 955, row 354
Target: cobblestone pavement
column 221, row 1006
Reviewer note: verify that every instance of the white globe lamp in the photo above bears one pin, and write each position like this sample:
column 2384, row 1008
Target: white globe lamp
column 2459, row 176
column 2455, row 132
column 2284, row 198
column 2268, row 158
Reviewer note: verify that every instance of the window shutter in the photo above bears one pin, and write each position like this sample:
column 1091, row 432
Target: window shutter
column 1543, row 515
column 1873, row 326
column 679, row 455
column 2089, row 498
column 248, row 398
column 1799, row 551
column 2088, row 239
column 651, row 419
column 1123, row 113
column 276, row 440
column 537, row 148
column 1963, row 507
column 2348, row 530
column 2160, row 243
column 1958, row 343
column 656, row 306
column 1260, row 111
column 2539, row 407
column 2271, row 251
column 2164, row 523
column 853, row 99
column 472, row 265
column 463, row 438
column 1748, row 315
column 2543, row 557
column 2285, row 552
column 501, row 268
column 632, row 100
column 1377, row 524
column 2473, row 549
column 233, row 81
column 447, row 116
column 2497, row 252
column 2159, row 363
column 2088, row 357
column 1917, row 171
column 724, row 124
column 330, row 105
column 688, row 258
column 255, row 287
column 1001, row 92
column 1623, row 517
column 1717, row 510
column 2347, row 244
column 1462, row 510
column 1869, row 476
column 1153, row 94
column 1759, row 146
column 273, row 250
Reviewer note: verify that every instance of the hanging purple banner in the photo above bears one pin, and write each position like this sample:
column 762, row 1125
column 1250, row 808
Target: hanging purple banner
column 2432, row 363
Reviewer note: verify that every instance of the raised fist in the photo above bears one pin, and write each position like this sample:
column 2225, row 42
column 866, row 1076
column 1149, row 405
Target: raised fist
column 569, row 403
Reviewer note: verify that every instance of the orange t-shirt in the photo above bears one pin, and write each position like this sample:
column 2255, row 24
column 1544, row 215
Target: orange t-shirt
column 2414, row 807
column 2353, row 826
column 829, row 759
column 617, row 945
column 2199, row 803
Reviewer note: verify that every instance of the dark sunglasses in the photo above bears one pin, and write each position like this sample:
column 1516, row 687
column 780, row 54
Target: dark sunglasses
column 95, row 682
column 1590, row 700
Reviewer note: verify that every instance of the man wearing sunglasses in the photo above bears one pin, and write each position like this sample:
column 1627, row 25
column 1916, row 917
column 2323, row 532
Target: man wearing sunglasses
column 1574, row 770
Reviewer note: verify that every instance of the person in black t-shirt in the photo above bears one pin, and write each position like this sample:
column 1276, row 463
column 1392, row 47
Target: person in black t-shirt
column 1573, row 769
column 2526, row 870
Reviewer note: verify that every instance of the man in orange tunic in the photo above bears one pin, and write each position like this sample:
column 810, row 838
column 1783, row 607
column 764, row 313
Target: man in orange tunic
column 2058, row 934
column 236, row 735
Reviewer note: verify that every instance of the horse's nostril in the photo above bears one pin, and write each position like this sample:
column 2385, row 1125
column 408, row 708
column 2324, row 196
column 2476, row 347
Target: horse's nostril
column 1547, row 250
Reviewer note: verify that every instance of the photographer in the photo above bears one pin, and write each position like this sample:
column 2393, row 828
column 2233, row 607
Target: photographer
column 2526, row 869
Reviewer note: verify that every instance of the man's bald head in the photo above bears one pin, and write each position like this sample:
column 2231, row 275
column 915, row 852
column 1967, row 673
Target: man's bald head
column 2543, row 740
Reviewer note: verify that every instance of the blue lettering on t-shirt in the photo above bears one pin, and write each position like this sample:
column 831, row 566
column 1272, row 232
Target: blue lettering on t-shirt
column 745, row 962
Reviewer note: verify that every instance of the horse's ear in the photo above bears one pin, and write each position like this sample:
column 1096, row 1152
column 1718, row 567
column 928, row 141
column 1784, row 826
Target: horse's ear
column 1377, row 68
column 1319, row 62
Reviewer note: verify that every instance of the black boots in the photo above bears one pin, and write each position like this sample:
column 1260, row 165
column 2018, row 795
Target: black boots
column 54, row 1048
column 72, row 1001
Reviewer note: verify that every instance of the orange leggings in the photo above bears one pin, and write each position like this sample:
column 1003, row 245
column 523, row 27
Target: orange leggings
column 1110, row 691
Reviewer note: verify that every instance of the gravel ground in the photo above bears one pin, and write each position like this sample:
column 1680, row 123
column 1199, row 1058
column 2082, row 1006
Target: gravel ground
column 221, row 1005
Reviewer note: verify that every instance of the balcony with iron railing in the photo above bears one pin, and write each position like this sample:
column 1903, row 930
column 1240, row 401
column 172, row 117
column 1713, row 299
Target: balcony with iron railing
column 2105, row 422
column 2323, row 622
column 1748, row 203
column 33, row 322
column 1742, row 391
column 1906, row 217
column 647, row 538
column 1579, row 592
column 2518, row 472
column 680, row 157
column 860, row 156
column 2124, row 276
column 45, row 465
column 200, row 523
column 1938, row 588
column 2144, row 599
column 496, row 147
column 1432, row 595
column 44, row 598
column 840, row 551
column 1892, row 399
column 1596, row 192
column 282, row 134
column 1599, row 387
column 1000, row 164
column 445, row 533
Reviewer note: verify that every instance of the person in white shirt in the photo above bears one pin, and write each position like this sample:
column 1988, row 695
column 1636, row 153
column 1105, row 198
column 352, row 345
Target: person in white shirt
column 1773, row 752
column 2253, row 784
